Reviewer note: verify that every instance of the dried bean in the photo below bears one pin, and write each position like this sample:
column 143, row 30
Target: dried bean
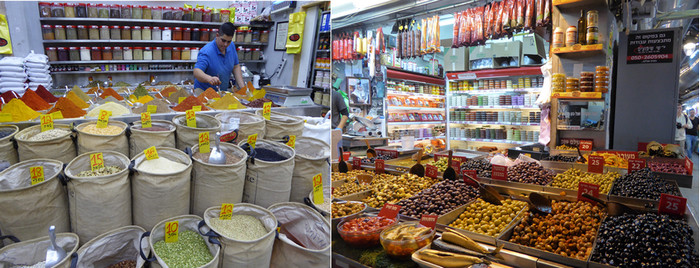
column 268, row 155
column 124, row 264
column 240, row 227
column 107, row 170
column 190, row 251
column 49, row 135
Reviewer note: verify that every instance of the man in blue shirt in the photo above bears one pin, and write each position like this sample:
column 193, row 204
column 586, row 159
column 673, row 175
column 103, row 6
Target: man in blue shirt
column 216, row 60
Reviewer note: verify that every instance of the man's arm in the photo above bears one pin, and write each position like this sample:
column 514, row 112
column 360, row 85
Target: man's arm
column 238, row 74
column 205, row 78
column 343, row 119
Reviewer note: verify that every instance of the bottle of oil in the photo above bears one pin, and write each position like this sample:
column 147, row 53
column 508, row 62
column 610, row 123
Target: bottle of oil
column 582, row 29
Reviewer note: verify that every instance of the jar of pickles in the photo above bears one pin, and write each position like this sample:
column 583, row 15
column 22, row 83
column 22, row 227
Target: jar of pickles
column 117, row 53
column 115, row 11
column 62, row 54
column 558, row 82
column 167, row 13
column 185, row 53
column 204, row 35
column 83, row 32
column 138, row 53
column 71, row 32
column 45, row 9
column 106, row 53
column 167, row 53
column 157, row 12
column 157, row 53
column 94, row 32
column 147, row 53
column 177, row 33
column 84, row 53
column 196, row 34
column 126, row 32
column 57, row 10
column 147, row 13
column 104, row 32
column 115, row 33
column 59, row 32
column 572, row 84
column 225, row 15
column 136, row 33
column 95, row 53
column 156, row 33
column 177, row 13
column 187, row 14
column 206, row 15
column 52, row 53
column 102, row 11
column 47, row 32
column 167, row 34
column 186, row 34
column 126, row 11
column 146, row 33
column 128, row 53
column 69, row 10
column 136, row 12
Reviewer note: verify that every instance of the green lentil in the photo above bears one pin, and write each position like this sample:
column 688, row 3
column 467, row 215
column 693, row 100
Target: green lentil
column 189, row 251
column 108, row 170
column 239, row 227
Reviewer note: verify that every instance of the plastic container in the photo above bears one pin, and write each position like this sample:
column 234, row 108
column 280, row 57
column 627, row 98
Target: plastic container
column 47, row 32
column 136, row 33
column 215, row 16
column 240, row 36
column 264, row 36
column 94, row 32
column 52, row 53
column 147, row 13
column 115, row 33
column 177, row 13
column 128, row 53
column 558, row 37
column 146, row 33
column 365, row 238
column 81, row 10
column 104, row 32
column 248, row 55
column 403, row 248
column 256, row 36
column 102, row 11
column 177, row 33
column 73, row 54
column 136, row 12
column 225, row 15
column 59, row 32
column 92, row 10
column 194, row 52
column 115, row 11
column 186, row 34
column 187, row 14
column 176, row 53
column 157, row 53
column 147, row 53
column 167, row 53
column 57, row 10
column 62, row 53
column 82, row 32
column 256, row 54
column 117, row 53
column 156, row 33
column 248, row 36
column 126, row 11
column 95, row 53
column 69, row 10
column 138, row 53
column 126, row 32
column 571, row 36
column 106, row 53
column 157, row 12
column 84, row 53
column 241, row 53
column 186, row 53
column 204, row 35
column 197, row 14
column 206, row 15
column 167, row 34
column 45, row 9
column 167, row 13
column 196, row 35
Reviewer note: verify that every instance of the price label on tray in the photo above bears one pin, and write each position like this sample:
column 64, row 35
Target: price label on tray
column 671, row 204
column 226, row 211
column 252, row 139
column 431, row 171
column 36, row 174
column 356, row 163
column 267, row 110
column 57, row 115
column 151, row 153
column 455, row 164
column 318, row 189
column 191, row 119
column 635, row 164
column 292, row 141
column 172, row 230
column 585, row 145
column 429, row 221
column 103, row 119
column 46, row 122
column 389, row 211
column 587, row 188
column 197, row 108
column 204, row 142
column 470, row 173
column 379, row 166
column 499, row 172
column 97, row 161
column 596, row 164
column 146, row 120
column 151, row 109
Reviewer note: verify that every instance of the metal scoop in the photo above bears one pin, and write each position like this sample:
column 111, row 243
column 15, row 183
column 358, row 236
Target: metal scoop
column 488, row 193
column 614, row 208
column 54, row 253
column 217, row 156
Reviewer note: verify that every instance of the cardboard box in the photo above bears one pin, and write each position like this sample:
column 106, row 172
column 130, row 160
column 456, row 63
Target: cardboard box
column 480, row 57
column 457, row 59
column 506, row 55
column 533, row 50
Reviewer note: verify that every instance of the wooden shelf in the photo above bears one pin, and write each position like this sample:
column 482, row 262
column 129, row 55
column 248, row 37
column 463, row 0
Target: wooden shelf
column 579, row 95
column 579, row 51
column 493, row 73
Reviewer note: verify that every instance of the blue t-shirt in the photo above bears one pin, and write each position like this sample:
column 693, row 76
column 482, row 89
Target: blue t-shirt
column 212, row 62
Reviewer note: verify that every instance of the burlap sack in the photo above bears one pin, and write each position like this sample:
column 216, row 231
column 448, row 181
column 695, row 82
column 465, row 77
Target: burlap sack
column 215, row 184
column 112, row 247
column 281, row 125
column 102, row 203
column 312, row 230
column 141, row 139
column 255, row 253
column 88, row 142
column 155, row 196
column 59, row 148
column 266, row 182
column 188, row 136
column 186, row 223
column 33, row 251
column 310, row 158
column 248, row 123
column 27, row 211
column 8, row 151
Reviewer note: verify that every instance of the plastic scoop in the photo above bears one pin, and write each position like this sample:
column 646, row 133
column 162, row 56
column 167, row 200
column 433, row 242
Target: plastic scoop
column 449, row 173
column 342, row 166
column 418, row 169
column 370, row 152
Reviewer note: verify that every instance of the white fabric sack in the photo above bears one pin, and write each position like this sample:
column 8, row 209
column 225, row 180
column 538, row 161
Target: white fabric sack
column 189, row 136
column 38, row 74
column 8, row 152
column 185, row 223
column 310, row 158
column 36, row 58
column 312, row 230
column 266, row 182
column 12, row 61
column 34, row 65
column 13, row 75
column 11, row 69
column 11, row 84
column 140, row 140
column 33, row 251
column 42, row 80
column 18, row 90
column 214, row 184
column 123, row 243
column 248, row 124
column 281, row 125
column 318, row 128
column 7, row 79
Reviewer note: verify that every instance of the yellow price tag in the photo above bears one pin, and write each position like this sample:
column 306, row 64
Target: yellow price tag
column 252, row 139
column 191, row 120
column 292, row 140
column 267, row 110
column 318, row 189
column 151, row 153
column 204, row 142
column 232, row 106
column 103, row 120
column 36, row 174
column 197, row 108
column 97, row 161
column 146, row 120
column 172, row 230
column 180, row 99
column 151, row 109
column 57, row 115
column 226, row 211
column 5, row 117
column 46, row 122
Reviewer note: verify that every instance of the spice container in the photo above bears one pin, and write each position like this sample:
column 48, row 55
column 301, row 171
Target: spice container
column 225, row 15
column 126, row 11
column 73, row 54
column 138, row 53
column 571, row 36
column 592, row 19
column 158, row 53
column 92, row 10
column 106, row 53
column 187, row 14
column 586, row 81
column 82, row 32
column 102, row 11
column 147, row 54
column 115, row 33
column 177, row 13
column 59, row 32
column 176, row 53
column 84, row 53
column 215, row 16
column 558, row 37
column 194, row 52
column 558, row 82
column 256, row 54
column 136, row 33
column 47, row 32
column 57, row 10
column 264, row 36
column 167, row 53
column 177, row 33
column 62, row 54
column 186, row 53
column 206, row 15
column 128, row 53
column 115, row 11
column 196, row 34
column 95, row 53
column 157, row 12
column 248, row 54
column 146, row 33
column 117, row 53
column 136, row 12
column 248, row 36
column 204, row 35
column 156, row 33
column 592, row 35
column 240, row 36
column 126, row 32
column 241, row 53
column 69, row 10
column 572, row 84
column 147, row 14
column 186, row 34
column 167, row 13
column 256, row 36
column 197, row 14
column 51, row 53
column 94, row 32
column 44, row 9
column 104, row 32
column 167, row 34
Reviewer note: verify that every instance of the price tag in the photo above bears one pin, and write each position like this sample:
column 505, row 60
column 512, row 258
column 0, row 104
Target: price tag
column 455, row 164
column 252, row 139
column 356, row 163
column 97, row 161
column 197, row 108
column 226, row 211
column 471, row 173
column 172, row 230
column 146, row 120
column 671, row 204
column 431, row 171
column 379, row 166
column 5, row 117
column 191, row 119
column 46, row 122
column 57, row 115
column 635, row 164
column 180, row 99
column 151, row 153
column 292, row 141
column 103, row 119
column 346, row 156
column 267, row 110
column 585, row 145
column 499, row 172
column 688, row 165
column 318, row 189
column 588, row 188
column 429, row 221
column 204, row 142
column 596, row 164
column 36, row 174
column 151, row 109
column 389, row 211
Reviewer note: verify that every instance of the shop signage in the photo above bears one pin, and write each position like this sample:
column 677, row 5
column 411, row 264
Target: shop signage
column 429, row 221
column 654, row 47
column 172, row 229
column 389, row 211
column 46, row 122
column 499, row 172
column 587, row 188
column 455, row 164
column 356, row 163
column 596, row 164
column 671, row 204
column 379, row 166
column 470, row 173
column 97, row 161
column 226, row 211
column 204, row 143
column 688, row 165
column 318, row 189
column 267, row 110
column 431, row 171
column 36, row 174
column 635, row 164
column 197, row 108
column 146, row 120
column 391, row 153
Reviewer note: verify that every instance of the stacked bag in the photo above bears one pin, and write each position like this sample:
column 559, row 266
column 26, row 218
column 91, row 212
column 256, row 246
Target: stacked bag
column 37, row 69
column 12, row 75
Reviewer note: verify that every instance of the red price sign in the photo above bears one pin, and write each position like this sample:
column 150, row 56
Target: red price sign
column 455, row 164
column 470, row 173
column 671, row 204
column 499, row 172
column 585, row 145
column 171, row 231
column 356, row 163
column 389, row 211
column 587, row 188
column 635, row 164
column 379, row 166
column 688, row 165
column 346, row 156
column 596, row 164
column 429, row 221
column 431, row 171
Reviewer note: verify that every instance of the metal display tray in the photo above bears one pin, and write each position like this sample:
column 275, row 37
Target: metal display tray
column 447, row 219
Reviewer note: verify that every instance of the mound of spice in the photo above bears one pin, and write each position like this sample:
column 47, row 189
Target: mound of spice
column 80, row 93
column 140, row 91
column 67, row 108
column 93, row 90
column 108, row 170
column 188, row 103
column 45, row 94
column 207, row 95
column 109, row 130
column 34, row 101
column 144, row 99
column 190, row 250
column 20, row 111
column 175, row 97
column 9, row 95
column 227, row 101
column 161, row 107
column 167, row 91
column 110, row 92
column 77, row 100
column 259, row 103
column 116, row 109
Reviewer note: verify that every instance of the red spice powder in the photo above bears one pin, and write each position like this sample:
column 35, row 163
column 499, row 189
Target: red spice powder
column 210, row 93
column 187, row 104
column 110, row 92
column 68, row 108
column 34, row 101
column 9, row 95
column 45, row 94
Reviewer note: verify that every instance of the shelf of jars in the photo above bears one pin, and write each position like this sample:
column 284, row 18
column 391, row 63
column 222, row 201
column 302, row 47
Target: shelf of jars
column 492, row 140
column 495, row 107
column 407, row 93
column 494, row 123
column 418, row 139
column 76, row 21
column 97, row 62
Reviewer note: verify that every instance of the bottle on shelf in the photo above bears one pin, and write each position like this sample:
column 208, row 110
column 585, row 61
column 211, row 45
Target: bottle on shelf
column 582, row 29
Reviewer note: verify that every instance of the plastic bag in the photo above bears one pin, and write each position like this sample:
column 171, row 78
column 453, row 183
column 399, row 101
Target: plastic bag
column 5, row 43
column 502, row 160
column 12, row 61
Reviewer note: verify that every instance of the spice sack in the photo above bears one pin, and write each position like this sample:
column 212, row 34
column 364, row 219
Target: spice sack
column 33, row 251
column 58, row 144
column 160, row 134
column 310, row 228
column 112, row 247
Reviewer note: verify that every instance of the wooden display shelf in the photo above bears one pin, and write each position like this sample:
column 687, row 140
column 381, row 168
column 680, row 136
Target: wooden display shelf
column 577, row 51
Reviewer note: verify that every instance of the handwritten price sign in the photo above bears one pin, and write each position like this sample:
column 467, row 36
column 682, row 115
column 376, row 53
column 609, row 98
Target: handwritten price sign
column 671, row 204
column 97, row 161
column 356, row 163
column 151, row 153
column 635, row 164
column 585, row 145
column 431, row 171
column 318, row 189
column 172, row 230
column 190, row 117
column 292, row 141
column 204, row 143
column 429, row 221
column 36, row 174
column 596, row 164
column 146, row 120
column 379, row 166
column 455, row 164
column 252, row 139
column 226, row 211
column 499, row 172
column 587, row 188
column 470, row 173
column 46, row 122
column 103, row 119
column 389, row 211
column 267, row 110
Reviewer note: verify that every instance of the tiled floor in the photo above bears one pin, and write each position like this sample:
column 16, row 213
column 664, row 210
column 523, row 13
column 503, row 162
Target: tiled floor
column 692, row 193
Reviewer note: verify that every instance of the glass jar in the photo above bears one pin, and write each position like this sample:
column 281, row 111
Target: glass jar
column 52, row 53
column 138, row 53
column 126, row 12
column 95, row 53
column 69, row 10
column 185, row 53
column 147, row 53
column 156, row 33
column 57, row 10
column 62, row 54
column 128, row 53
column 83, row 32
column 157, row 12
column 187, row 14
column 256, row 36
column 106, row 53
column 206, row 15
column 47, row 32
column 104, row 32
column 81, row 10
column 177, row 13
column 248, row 36
column 92, row 10
column 167, row 34
column 136, row 12
column 177, row 34
column 264, row 36
column 196, row 34
column 241, row 53
column 94, row 32
column 147, row 14
column 157, row 53
column 197, row 14
column 102, row 11
column 176, row 53
column 215, row 16
column 167, row 13
column 136, row 33
column 45, row 9
column 256, row 54
column 240, row 36
column 126, row 32
column 248, row 55
column 117, row 53
column 59, row 32
column 194, row 52
column 146, row 33
column 73, row 54
column 212, row 34
column 115, row 33
column 84, row 53
column 186, row 34
column 225, row 15
column 167, row 53
column 204, row 35
column 115, row 11
column 71, row 32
